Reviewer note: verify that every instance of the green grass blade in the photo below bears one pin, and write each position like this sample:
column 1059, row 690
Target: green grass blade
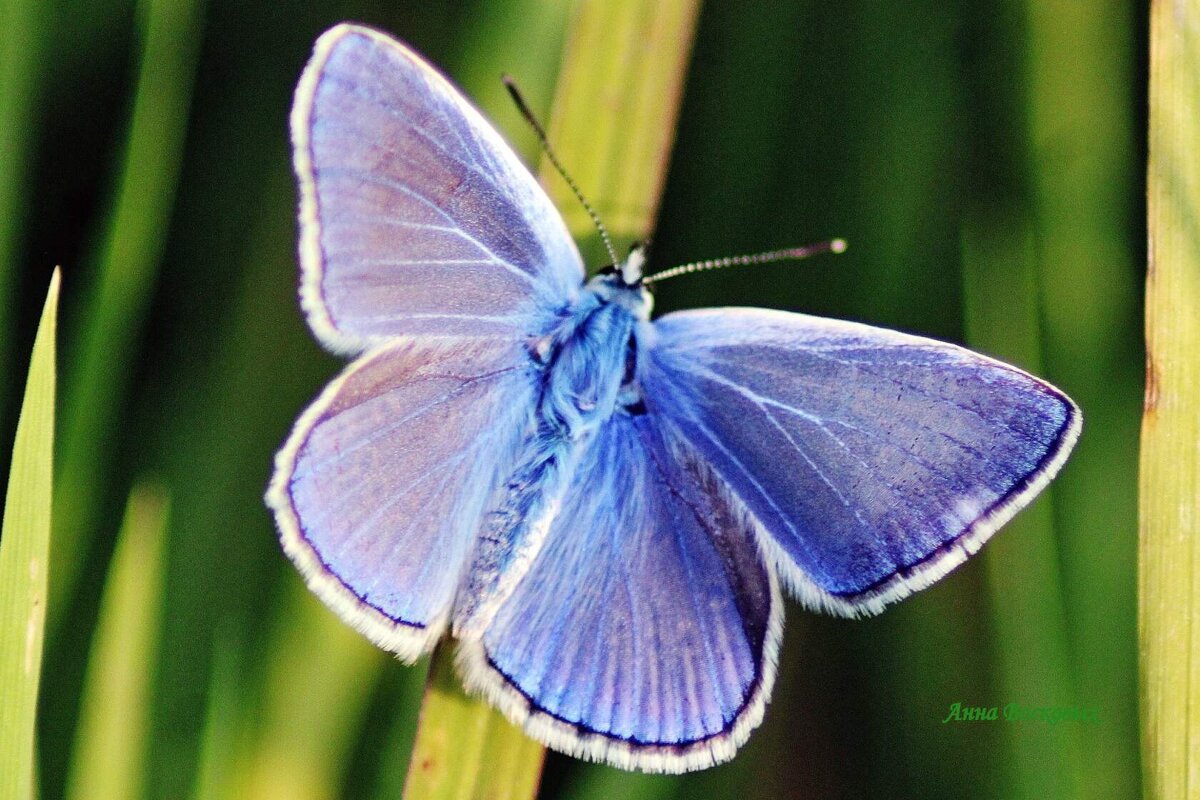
column 614, row 115
column 612, row 125
column 465, row 750
column 1169, row 563
column 489, row 49
column 111, row 740
column 23, row 22
column 24, row 552
column 127, row 264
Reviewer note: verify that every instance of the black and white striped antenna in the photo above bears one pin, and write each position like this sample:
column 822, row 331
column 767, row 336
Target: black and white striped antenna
column 515, row 93
column 769, row 257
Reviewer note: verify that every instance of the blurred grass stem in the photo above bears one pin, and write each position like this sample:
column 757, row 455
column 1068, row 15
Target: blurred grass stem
column 111, row 740
column 105, row 341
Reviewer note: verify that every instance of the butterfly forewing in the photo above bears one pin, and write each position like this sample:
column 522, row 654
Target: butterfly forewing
column 416, row 218
column 425, row 242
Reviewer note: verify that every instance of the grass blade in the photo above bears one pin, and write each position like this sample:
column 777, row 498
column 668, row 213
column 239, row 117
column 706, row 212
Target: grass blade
column 20, row 70
column 614, row 115
column 1169, row 558
column 465, row 750
column 1023, row 573
column 111, row 741
column 628, row 58
column 24, row 552
column 127, row 264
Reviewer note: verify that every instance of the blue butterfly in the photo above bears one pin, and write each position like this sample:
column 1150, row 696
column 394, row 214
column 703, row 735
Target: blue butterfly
column 602, row 509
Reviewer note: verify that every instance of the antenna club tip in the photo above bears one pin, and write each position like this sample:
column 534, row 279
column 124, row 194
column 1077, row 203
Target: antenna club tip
column 837, row 246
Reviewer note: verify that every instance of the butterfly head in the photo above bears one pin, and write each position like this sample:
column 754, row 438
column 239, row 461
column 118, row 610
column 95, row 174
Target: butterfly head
column 622, row 284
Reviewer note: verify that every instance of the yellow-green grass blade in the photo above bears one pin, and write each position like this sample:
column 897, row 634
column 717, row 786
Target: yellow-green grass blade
column 1169, row 557
column 1083, row 72
column 612, row 126
column 615, row 108
column 126, row 263
column 464, row 750
column 24, row 553
column 111, row 740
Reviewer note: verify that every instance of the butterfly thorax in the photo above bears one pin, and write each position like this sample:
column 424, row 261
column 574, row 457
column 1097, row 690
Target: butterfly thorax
column 590, row 358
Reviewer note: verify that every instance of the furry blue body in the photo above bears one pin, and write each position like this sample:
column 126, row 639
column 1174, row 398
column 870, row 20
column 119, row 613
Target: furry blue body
column 586, row 372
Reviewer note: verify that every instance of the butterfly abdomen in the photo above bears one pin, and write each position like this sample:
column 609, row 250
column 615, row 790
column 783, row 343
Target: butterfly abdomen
column 513, row 530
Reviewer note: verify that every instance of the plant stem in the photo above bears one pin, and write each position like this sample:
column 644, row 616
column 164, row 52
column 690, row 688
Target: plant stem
column 1169, row 579
column 464, row 749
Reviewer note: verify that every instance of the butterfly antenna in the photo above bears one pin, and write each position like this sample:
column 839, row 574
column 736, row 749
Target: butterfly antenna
column 549, row 151
column 831, row 246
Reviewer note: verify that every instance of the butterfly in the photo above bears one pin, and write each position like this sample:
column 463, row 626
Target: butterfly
column 603, row 509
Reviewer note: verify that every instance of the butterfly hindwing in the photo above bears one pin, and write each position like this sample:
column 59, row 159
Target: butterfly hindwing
column 646, row 631
column 380, row 490
column 416, row 217
column 873, row 461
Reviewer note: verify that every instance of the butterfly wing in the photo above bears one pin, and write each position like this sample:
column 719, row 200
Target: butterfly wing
column 381, row 489
column 646, row 631
column 416, row 217
column 873, row 461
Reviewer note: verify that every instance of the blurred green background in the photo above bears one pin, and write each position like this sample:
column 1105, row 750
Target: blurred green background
column 983, row 159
